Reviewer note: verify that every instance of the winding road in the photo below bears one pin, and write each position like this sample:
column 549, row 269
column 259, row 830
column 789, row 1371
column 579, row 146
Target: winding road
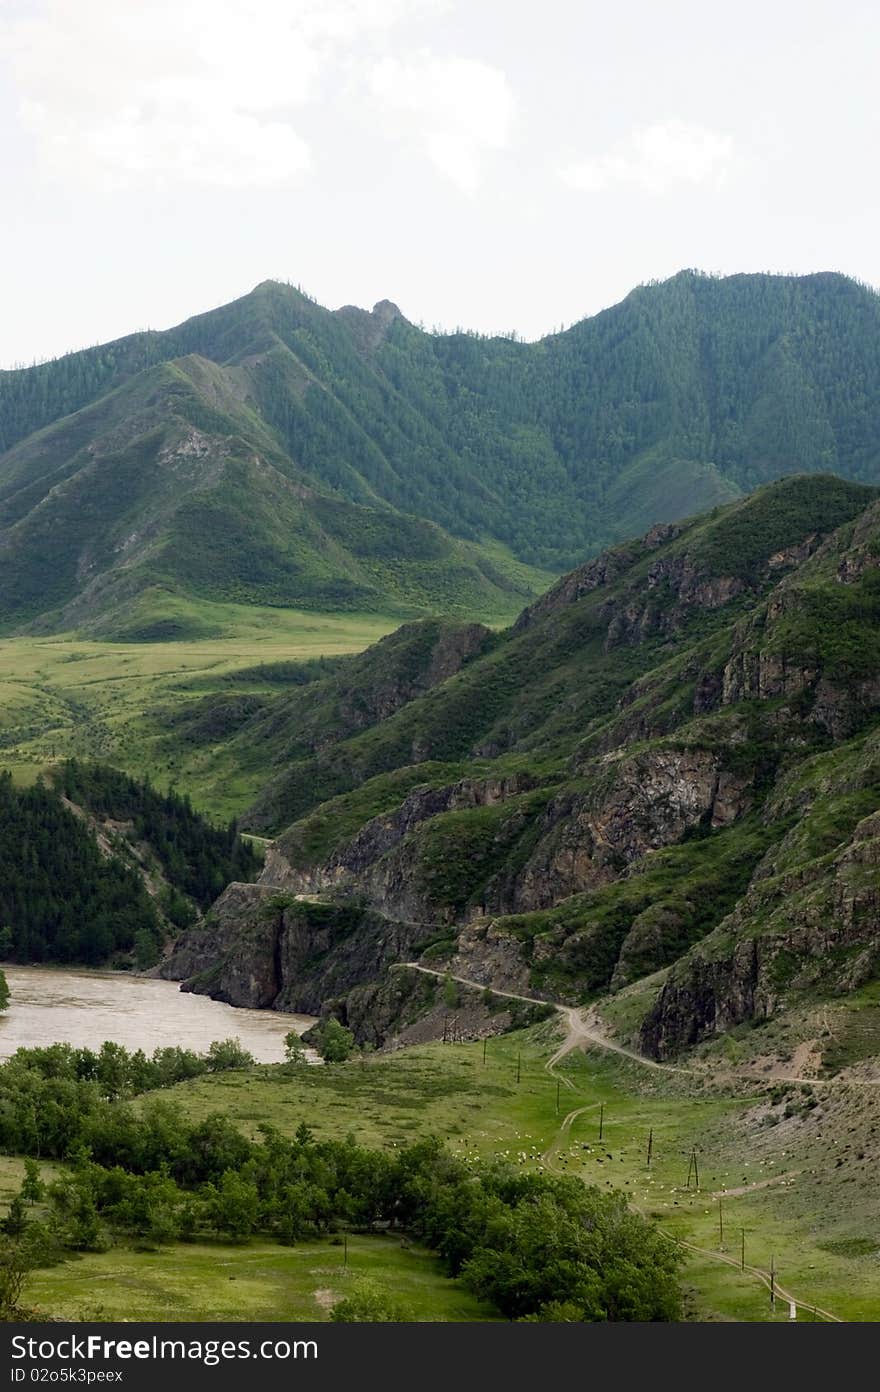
column 578, row 1034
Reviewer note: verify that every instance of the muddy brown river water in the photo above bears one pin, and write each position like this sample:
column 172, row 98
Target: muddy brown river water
column 55, row 1005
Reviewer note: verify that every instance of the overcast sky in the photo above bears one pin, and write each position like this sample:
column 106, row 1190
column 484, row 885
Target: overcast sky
column 493, row 164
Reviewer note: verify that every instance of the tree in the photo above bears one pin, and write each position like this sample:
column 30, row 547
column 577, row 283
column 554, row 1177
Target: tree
column 232, row 1206
column 294, row 1048
column 228, row 1053
column 335, row 1042
column 4, row 991
column 15, row 1221
column 369, row 1305
column 32, row 1187
column 15, row 1263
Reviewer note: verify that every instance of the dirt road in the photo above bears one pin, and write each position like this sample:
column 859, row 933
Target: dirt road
column 580, row 1033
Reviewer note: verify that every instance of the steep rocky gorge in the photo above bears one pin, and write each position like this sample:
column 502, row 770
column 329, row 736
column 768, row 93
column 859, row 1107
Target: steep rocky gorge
column 633, row 780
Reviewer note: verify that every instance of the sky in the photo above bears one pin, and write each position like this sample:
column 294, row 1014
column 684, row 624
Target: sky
column 489, row 164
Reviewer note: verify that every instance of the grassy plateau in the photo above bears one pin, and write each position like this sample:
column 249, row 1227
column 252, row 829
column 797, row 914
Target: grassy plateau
column 65, row 695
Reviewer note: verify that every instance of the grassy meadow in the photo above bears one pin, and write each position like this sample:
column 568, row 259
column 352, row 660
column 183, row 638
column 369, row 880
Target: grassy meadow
column 64, row 695
column 764, row 1161
column 259, row 1281
column 772, row 1178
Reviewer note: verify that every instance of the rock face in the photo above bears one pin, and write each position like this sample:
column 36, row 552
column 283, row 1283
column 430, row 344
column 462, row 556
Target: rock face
column 603, row 571
column 486, row 953
column 639, row 804
column 818, row 924
column 410, row 1007
column 377, row 862
column 653, row 941
column 582, row 840
column 655, row 597
column 262, row 949
column 259, row 949
column 413, row 667
column 769, row 660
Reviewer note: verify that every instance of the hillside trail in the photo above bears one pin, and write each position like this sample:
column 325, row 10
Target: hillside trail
column 578, row 1033
column 581, row 1032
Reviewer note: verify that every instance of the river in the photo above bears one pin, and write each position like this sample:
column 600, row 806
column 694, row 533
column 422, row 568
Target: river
column 55, row 1005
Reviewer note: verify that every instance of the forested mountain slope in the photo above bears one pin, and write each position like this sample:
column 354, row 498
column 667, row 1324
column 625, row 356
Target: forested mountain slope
column 173, row 485
column 273, row 450
column 669, row 761
column 95, row 866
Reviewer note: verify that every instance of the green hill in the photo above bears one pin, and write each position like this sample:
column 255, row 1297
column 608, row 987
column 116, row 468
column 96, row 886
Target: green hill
column 667, row 766
column 273, row 451
column 170, row 485
column 97, row 867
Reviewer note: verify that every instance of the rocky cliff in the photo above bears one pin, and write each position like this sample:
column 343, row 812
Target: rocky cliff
column 263, row 949
column 809, row 921
column 662, row 765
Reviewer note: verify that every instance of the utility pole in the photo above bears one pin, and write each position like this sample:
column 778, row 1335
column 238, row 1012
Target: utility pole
column 485, row 1042
column 720, row 1227
column 601, row 1118
column 518, row 1066
column 650, row 1146
column 742, row 1260
column 696, row 1170
column 345, row 1251
column 772, row 1283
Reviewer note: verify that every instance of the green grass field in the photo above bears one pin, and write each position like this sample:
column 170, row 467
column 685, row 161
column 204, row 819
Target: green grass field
column 260, row 1281
column 64, row 695
column 784, row 1168
column 765, row 1166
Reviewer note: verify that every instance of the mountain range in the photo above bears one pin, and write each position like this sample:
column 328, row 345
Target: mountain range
column 275, row 452
column 662, row 782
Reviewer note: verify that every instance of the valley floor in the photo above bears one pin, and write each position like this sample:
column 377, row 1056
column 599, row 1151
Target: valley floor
column 260, row 1281
column 63, row 696
column 782, row 1166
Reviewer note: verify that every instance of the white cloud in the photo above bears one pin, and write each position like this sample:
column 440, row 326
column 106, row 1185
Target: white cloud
column 459, row 109
column 122, row 92
column 655, row 158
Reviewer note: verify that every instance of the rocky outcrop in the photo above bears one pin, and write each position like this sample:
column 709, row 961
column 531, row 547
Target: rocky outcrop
column 367, row 863
column 486, row 953
column 263, row 949
column 602, row 571
column 815, row 926
column 657, row 936
column 761, row 669
column 410, row 1007
column 413, row 666
column 657, row 600
column 774, row 657
column 710, row 997
column 582, row 840
column 231, row 954
column 640, row 804
column 674, row 587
